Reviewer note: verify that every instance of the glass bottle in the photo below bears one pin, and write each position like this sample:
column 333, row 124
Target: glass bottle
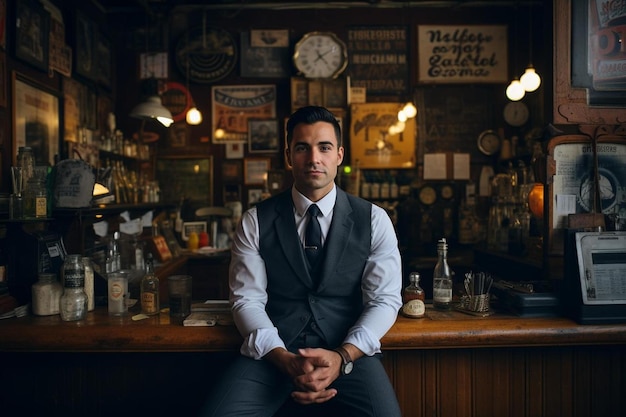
column 442, row 278
column 73, row 304
column 413, row 298
column 150, row 289
column 89, row 283
column 46, row 294
column 26, row 161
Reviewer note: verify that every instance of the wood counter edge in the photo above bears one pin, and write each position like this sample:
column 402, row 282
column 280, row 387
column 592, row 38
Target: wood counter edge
column 100, row 333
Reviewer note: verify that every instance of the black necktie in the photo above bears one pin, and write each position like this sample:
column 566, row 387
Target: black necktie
column 313, row 235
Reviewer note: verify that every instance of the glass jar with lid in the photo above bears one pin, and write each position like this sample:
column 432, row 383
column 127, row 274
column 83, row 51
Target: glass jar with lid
column 73, row 305
column 46, row 295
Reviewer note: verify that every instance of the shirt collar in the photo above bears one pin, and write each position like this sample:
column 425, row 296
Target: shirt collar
column 325, row 204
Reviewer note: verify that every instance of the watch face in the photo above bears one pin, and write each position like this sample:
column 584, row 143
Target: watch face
column 489, row 142
column 347, row 368
column 320, row 55
column 515, row 113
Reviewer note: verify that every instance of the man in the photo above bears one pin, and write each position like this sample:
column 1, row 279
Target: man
column 312, row 328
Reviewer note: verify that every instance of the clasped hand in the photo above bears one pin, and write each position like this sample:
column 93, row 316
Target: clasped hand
column 312, row 371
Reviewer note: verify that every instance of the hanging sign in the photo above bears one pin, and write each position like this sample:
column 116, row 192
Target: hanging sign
column 462, row 54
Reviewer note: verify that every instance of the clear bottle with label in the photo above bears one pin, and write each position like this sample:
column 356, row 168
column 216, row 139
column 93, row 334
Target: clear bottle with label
column 413, row 297
column 442, row 278
column 150, row 289
column 73, row 304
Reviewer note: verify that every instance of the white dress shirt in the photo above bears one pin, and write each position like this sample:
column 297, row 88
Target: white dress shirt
column 381, row 284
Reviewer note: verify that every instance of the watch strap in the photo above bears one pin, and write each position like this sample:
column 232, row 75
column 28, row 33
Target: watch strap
column 345, row 356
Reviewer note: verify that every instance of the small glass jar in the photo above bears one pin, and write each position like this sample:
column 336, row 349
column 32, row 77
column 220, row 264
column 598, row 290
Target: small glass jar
column 46, row 294
column 73, row 304
column 413, row 298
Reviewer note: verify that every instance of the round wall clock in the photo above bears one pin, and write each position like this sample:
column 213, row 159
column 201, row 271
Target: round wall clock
column 206, row 54
column 516, row 113
column 489, row 142
column 427, row 195
column 320, row 55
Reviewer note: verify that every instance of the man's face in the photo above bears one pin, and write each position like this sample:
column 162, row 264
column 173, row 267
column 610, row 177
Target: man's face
column 314, row 157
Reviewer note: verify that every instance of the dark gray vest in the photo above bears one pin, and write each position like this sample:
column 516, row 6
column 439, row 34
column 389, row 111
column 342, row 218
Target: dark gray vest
column 293, row 300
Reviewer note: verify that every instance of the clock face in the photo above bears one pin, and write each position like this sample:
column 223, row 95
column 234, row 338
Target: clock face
column 427, row 195
column 489, row 142
column 516, row 113
column 320, row 55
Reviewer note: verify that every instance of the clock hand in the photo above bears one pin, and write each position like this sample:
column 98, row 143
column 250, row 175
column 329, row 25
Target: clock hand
column 321, row 56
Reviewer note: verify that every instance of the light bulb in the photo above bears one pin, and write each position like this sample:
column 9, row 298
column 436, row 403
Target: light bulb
column 402, row 117
column 515, row 91
column 530, row 79
column 410, row 110
column 194, row 117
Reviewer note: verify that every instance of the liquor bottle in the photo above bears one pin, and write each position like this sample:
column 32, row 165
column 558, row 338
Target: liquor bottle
column 442, row 278
column 73, row 304
column 150, row 289
column 413, row 297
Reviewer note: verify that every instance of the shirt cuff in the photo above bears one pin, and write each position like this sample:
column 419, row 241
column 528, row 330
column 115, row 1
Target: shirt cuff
column 364, row 340
column 260, row 342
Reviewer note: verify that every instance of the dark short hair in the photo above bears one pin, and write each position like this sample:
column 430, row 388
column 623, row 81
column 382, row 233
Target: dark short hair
column 310, row 115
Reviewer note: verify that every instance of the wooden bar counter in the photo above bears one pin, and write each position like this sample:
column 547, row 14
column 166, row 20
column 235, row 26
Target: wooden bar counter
column 447, row 364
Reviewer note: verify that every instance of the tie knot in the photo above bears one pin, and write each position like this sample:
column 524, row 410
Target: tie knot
column 313, row 210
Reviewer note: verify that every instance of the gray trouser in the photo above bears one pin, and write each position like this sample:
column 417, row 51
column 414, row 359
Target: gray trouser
column 256, row 388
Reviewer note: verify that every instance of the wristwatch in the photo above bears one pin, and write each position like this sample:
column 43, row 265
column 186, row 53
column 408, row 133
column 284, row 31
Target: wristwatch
column 347, row 365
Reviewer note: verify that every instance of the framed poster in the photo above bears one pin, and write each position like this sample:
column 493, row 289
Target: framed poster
column 437, row 55
column 388, row 72
column 31, row 33
column 85, row 46
column 255, row 170
column 263, row 136
column 265, row 54
column 254, row 196
column 35, row 120
column 232, row 106
column 232, row 170
column 72, row 94
column 572, row 103
column 184, row 177
column 570, row 187
column 374, row 140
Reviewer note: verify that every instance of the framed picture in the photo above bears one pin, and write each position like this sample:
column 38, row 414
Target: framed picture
column 232, row 106
column 254, row 196
column 438, row 61
column 85, row 46
column 372, row 143
column 255, row 170
column 35, row 120
column 31, row 33
column 335, row 93
column 183, row 177
column 572, row 103
column 299, row 93
column 104, row 58
column 263, row 135
column 231, row 193
column 234, row 150
column 265, row 54
column 232, row 170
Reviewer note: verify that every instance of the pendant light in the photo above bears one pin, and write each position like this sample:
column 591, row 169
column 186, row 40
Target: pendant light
column 152, row 107
column 193, row 116
column 515, row 91
column 530, row 79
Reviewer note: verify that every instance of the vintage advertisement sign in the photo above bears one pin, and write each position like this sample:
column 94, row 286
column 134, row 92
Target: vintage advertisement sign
column 374, row 140
column 462, row 54
column 233, row 106
column 607, row 32
column 378, row 59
